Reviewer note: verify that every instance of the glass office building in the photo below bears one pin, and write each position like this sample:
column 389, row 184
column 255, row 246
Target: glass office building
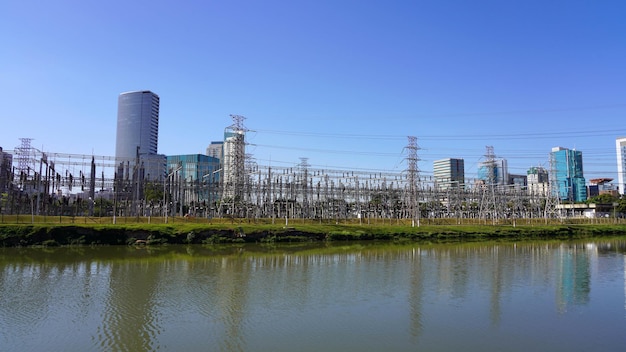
column 567, row 166
column 194, row 176
column 494, row 172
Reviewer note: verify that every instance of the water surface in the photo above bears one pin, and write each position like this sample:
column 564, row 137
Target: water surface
column 540, row 296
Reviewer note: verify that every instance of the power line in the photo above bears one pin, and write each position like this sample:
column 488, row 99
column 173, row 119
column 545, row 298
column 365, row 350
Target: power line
column 329, row 151
column 497, row 136
column 530, row 111
column 331, row 135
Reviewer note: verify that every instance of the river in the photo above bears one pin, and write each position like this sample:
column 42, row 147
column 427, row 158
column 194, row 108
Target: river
column 480, row 296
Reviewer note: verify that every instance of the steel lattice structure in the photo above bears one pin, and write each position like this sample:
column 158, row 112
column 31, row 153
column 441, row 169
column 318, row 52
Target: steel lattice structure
column 50, row 183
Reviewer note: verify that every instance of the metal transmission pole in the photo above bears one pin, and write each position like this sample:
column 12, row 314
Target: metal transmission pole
column 490, row 186
column 92, row 185
column 413, row 179
column 304, row 180
column 234, row 161
column 251, row 187
column 553, row 196
column 24, row 152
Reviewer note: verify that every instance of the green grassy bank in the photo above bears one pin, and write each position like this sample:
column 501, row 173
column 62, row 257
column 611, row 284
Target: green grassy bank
column 12, row 235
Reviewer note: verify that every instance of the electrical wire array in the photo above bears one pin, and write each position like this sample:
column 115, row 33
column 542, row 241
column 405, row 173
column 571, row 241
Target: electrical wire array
column 598, row 161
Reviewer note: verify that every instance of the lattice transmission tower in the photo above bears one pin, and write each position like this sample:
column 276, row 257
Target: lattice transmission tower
column 553, row 196
column 24, row 155
column 489, row 204
column 24, row 159
column 234, row 159
column 412, row 175
column 304, row 185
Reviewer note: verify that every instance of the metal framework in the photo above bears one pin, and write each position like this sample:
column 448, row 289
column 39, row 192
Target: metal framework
column 412, row 175
column 80, row 184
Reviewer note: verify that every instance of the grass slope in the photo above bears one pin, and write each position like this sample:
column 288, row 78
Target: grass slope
column 99, row 234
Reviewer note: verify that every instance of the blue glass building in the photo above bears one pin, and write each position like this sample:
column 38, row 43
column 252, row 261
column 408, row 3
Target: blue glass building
column 495, row 172
column 197, row 176
column 567, row 166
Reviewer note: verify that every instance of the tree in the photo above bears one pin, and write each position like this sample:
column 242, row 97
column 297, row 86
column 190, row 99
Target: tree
column 602, row 199
column 621, row 208
column 153, row 191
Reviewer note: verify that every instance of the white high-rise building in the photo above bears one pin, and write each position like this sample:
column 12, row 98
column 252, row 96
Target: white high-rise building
column 620, row 146
column 233, row 164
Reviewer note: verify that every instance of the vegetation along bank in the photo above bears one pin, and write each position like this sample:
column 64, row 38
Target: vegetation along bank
column 12, row 235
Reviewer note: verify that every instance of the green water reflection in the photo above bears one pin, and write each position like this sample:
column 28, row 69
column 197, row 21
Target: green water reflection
column 557, row 296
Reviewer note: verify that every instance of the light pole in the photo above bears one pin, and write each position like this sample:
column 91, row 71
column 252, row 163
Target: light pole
column 180, row 166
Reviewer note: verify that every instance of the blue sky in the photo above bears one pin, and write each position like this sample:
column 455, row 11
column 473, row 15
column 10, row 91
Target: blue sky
column 340, row 82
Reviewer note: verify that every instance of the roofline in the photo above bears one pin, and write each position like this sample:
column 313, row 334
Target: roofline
column 139, row 91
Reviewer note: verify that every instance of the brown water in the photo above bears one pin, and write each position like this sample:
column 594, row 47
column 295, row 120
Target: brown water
column 531, row 296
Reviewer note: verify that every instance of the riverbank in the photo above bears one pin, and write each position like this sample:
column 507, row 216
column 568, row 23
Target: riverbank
column 13, row 235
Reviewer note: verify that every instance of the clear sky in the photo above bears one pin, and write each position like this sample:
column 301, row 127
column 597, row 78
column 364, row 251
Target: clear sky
column 341, row 82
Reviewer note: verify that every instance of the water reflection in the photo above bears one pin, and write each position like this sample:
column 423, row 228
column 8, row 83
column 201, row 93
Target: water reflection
column 240, row 298
column 574, row 276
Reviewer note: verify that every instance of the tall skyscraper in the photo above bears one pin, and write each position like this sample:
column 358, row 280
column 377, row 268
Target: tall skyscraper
column 620, row 146
column 137, row 124
column 567, row 178
column 449, row 173
column 138, row 134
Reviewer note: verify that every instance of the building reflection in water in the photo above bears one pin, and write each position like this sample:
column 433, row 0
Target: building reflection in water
column 573, row 275
column 140, row 300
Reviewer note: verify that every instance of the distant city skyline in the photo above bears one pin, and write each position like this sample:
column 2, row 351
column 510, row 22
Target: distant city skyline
column 478, row 173
column 138, row 127
column 340, row 83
